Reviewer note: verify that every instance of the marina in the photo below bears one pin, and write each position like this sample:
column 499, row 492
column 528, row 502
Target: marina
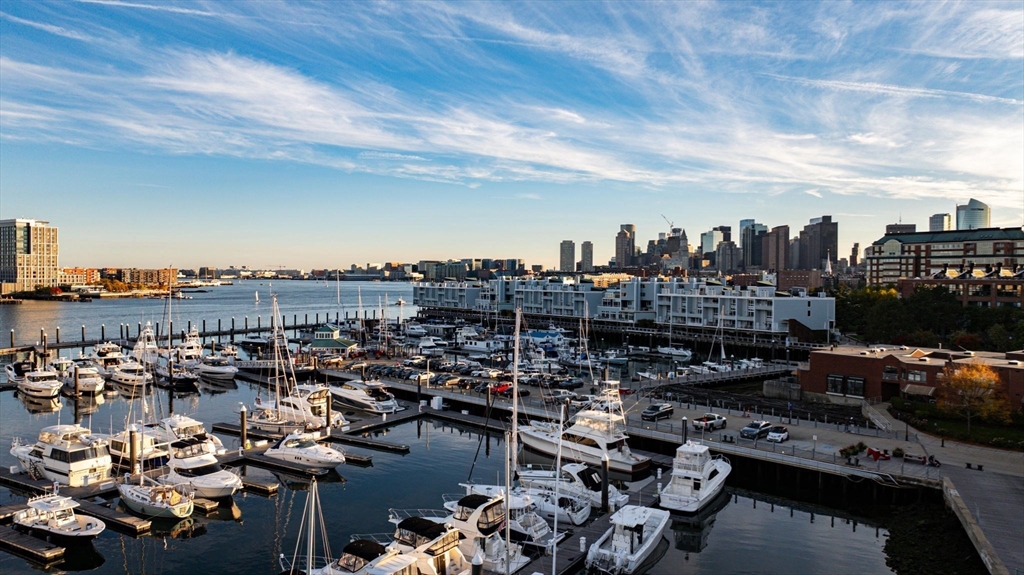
column 455, row 432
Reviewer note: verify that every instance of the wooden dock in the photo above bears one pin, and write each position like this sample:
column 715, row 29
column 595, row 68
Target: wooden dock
column 7, row 512
column 204, row 505
column 32, row 548
column 116, row 520
column 357, row 459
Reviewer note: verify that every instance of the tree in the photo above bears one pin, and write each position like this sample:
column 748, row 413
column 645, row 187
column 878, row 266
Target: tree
column 973, row 389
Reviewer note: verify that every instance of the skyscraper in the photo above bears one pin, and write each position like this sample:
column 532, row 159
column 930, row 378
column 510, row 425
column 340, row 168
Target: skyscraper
column 775, row 249
column 940, row 223
column 567, row 256
column 751, row 236
column 587, row 257
column 973, row 215
column 625, row 246
column 855, row 252
column 709, row 241
column 818, row 238
column 28, row 255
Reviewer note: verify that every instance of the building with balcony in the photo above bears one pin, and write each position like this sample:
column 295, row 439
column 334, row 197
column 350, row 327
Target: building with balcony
column 918, row 255
column 28, row 255
column 994, row 286
column 446, row 295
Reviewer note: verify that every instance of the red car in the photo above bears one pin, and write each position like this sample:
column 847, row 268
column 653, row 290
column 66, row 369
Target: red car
column 502, row 388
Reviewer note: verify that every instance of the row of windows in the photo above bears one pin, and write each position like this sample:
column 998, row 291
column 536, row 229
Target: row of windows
column 843, row 385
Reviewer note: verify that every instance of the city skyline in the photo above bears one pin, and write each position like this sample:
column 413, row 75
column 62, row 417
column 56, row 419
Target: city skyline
column 194, row 134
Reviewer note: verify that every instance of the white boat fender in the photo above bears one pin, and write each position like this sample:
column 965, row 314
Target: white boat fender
column 583, row 544
column 659, row 488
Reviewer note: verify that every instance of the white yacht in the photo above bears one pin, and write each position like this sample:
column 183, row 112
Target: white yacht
column 569, row 508
column 215, row 367
column 177, row 426
column 526, row 525
column 371, row 397
column 40, row 384
column 90, row 382
column 369, row 557
column 151, row 499
column 53, row 517
column 616, row 357
column 146, row 351
column 188, row 351
column 130, row 375
column 16, row 371
column 192, row 462
column 576, row 478
column 306, row 403
column 415, row 330
column 150, row 451
column 67, row 454
column 434, row 545
column 303, row 450
column 106, row 357
column 177, row 374
column 697, row 477
column 680, row 353
column 629, row 542
column 593, row 436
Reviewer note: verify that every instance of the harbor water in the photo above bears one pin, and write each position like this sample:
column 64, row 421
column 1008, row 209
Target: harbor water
column 742, row 532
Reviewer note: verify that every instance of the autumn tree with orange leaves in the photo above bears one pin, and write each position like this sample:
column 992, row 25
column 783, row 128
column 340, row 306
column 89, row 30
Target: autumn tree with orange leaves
column 973, row 389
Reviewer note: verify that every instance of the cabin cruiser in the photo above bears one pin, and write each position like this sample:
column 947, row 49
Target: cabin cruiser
column 434, row 545
column 192, row 461
column 480, row 519
column 53, row 517
column 150, row 451
column 130, row 375
column 41, row 384
column 146, row 350
column 593, row 436
column 106, row 357
column 16, row 371
column 90, row 382
column 216, row 367
column 415, row 330
column 525, row 524
column 179, row 426
column 254, row 342
column 576, row 478
column 307, row 404
column 629, row 542
column 680, row 353
column 371, row 397
column 697, row 478
column 68, row 454
column 616, row 357
column 177, row 375
column 369, row 557
column 303, row 450
column 569, row 508
column 188, row 351
column 151, row 499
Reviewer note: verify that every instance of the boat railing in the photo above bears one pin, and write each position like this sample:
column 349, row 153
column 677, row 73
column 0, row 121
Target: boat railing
column 400, row 514
column 691, row 467
column 319, row 561
column 384, row 539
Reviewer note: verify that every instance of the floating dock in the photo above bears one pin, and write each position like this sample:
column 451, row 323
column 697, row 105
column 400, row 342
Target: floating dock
column 32, row 548
column 116, row 520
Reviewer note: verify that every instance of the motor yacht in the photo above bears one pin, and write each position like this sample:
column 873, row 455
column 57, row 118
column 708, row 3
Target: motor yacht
column 371, row 397
column 68, row 454
column 177, row 426
column 215, row 367
column 616, row 357
column 415, row 330
column 106, row 357
column 434, row 545
column 130, row 375
column 697, row 477
column 192, row 461
column 146, row 351
column 53, row 517
column 570, row 509
column 40, row 384
column 177, row 375
column 151, row 499
column 150, row 451
column 629, row 542
column 593, row 436
column 365, row 556
column 306, row 403
column 303, row 450
column 680, row 353
column 526, row 525
column 89, row 380
column 576, row 478
column 190, row 350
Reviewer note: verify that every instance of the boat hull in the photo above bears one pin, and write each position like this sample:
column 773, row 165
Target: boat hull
column 547, row 444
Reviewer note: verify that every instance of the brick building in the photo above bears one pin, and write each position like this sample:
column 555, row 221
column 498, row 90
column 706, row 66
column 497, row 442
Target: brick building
column 897, row 256
column 850, row 374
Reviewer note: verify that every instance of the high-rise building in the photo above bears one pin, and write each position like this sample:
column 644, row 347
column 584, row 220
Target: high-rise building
column 940, row 223
column 973, row 215
column 587, row 257
column 775, row 249
column 818, row 238
column 900, row 228
column 751, row 236
column 728, row 256
column 28, row 255
column 567, row 256
column 726, row 233
column 854, row 253
column 709, row 240
column 625, row 246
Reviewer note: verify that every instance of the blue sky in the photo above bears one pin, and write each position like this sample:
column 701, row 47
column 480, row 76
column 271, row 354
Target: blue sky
column 309, row 135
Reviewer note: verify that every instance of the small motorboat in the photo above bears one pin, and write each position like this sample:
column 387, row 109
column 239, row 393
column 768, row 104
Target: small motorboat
column 633, row 536
column 53, row 517
column 302, row 449
column 215, row 367
column 697, row 477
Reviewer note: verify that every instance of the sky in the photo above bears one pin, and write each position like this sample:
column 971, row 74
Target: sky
column 310, row 135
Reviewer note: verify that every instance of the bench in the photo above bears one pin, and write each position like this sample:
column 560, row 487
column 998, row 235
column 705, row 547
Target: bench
column 910, row 457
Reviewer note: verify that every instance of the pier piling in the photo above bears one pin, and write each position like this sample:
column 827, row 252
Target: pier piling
column 58, row 333
column 243, row 428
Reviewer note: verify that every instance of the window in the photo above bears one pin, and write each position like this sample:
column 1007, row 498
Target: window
column 890, row 373
column 834, row 384
column 855, row 386
column 919, row 376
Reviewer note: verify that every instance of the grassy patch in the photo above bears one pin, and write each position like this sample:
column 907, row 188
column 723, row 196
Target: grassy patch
column 928, row 418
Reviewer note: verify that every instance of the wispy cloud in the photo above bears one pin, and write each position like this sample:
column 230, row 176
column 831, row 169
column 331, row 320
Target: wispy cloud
column 892, row 90
column 156, row 7
column 55, row 30
column 814, row 193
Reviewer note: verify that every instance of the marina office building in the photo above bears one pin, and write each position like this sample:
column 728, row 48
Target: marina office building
column 638, row 302
column 28, row 255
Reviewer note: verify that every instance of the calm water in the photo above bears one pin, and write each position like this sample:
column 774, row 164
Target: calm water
column 739, row 535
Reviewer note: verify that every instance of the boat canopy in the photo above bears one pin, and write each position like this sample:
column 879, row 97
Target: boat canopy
column 365, row 549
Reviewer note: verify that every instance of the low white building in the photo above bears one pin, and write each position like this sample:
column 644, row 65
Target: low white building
column 453, row 295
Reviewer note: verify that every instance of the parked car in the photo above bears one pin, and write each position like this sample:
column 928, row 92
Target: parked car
column 709, row 422
column 778, row 433
column 483, row 387
column 556, row 396
column 507, row 392
column 755, row 430
column 657, row 411
column 501, row 388
column 574, row 383
column 582, row 401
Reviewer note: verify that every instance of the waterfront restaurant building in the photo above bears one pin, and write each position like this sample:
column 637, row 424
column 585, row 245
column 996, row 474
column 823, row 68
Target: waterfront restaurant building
column 846, row 374
column 28, row 255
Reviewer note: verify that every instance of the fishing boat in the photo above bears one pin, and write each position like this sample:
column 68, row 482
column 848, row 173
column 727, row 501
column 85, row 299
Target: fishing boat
column 40, row 384
column 53, row 517
column 68, row 454
column 697, row 477
column 629, row 542
column 371, row 397
column 192, row 461
column 303, row 450
column 151, row 499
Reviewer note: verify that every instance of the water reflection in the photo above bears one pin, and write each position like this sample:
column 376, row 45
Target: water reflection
column 188, row 528
column 691, row 532
column 37, row 405
column 81, row 558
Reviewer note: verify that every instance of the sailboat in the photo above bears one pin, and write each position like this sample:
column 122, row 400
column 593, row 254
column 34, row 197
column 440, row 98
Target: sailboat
column 312, row 519
column 257, row 296
column 679, row 353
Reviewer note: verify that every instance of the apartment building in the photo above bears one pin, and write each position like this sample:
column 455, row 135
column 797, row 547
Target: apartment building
column 28, row 255
column 897, row 256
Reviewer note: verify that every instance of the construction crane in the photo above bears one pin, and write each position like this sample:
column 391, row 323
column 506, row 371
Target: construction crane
column 671, row 225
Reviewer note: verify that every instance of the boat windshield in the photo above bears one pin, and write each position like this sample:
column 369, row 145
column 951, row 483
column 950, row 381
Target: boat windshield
column 63, row 515
column 197, row 471
column 300, row 443
column 87, row 453
column 216, row 361
column 190, row 430
column 42, row 377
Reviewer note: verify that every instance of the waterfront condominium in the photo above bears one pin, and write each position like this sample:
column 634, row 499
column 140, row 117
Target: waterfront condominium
column 28, row 255
column 567, row 256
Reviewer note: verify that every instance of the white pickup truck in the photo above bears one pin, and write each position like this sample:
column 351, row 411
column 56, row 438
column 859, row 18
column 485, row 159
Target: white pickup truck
column 709, row 422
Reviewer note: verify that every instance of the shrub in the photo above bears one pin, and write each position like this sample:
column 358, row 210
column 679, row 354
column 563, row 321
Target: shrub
column 898, row 453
